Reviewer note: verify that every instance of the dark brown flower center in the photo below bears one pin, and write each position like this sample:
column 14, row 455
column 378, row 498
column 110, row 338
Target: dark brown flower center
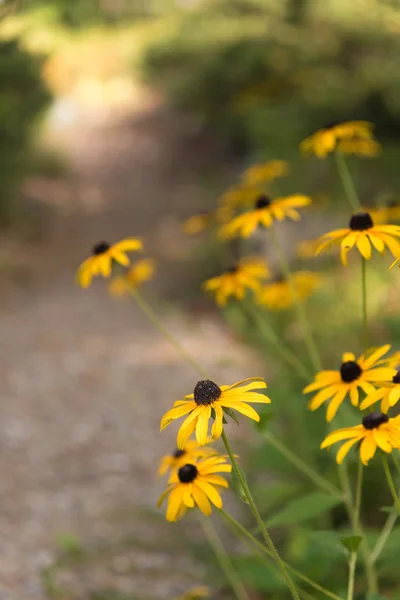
column 233, row 269
column 178, row 453
column 361, row 221
column 373, row 420
column 206, row 392
column 350, row 371
column 187, row 473
column 100, row 248
column 396, row 378
column 262, row 202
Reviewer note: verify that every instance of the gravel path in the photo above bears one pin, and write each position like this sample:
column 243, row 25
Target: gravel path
column 84, row 379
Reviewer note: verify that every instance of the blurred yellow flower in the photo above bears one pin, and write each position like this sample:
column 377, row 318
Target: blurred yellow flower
column 353, row 374
column 280, row 295
column 307, row 248
column 376, row 431
column 207, row 399
column 385, row 214
column 325, row 140
column 141, row 271
column 200, row 591
column 264, row 172
column 194, row 485
column 190, row 452
column 363, row 234
column 240, row 195
column 362, row 146
column 388, row 394
column 197, row 223
column 100, row 263
column 247, row 274
column 265, row 211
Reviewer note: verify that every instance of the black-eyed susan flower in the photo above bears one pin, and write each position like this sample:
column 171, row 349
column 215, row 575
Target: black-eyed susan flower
column 361, row 146
column 363, row 234
column 190, row 452
column 264, row 172
column 240, row 195
column 353, row 374
column 100, row 263
column 324, row 141
column 195, row 484
column 386, row 214
column 246, row 275
column 376, row 431
column 388, row 394
column 140, row 272
column 264, row 212
column 209, row 399
column 281, row 295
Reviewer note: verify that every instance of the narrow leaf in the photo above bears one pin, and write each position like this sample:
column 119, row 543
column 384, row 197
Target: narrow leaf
column 307, row 507
column 351, row 543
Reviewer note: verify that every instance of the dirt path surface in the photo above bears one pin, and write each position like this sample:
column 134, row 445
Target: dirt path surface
column 84, row 379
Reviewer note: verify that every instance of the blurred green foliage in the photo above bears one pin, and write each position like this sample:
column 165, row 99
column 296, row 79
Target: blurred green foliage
column 264, row 74
column 22, row 99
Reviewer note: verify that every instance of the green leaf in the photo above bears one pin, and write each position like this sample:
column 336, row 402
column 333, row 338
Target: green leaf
column 309, row 506
column 372, row 596
column 268, row 495
column 389, row 509
column 230, row 414
column 236, row 483
column 328, row 542
column 351, row 543
column 265, row 417
column 257, row 575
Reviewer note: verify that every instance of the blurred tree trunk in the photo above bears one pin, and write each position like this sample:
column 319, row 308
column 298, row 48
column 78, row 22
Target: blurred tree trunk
column 297, row 11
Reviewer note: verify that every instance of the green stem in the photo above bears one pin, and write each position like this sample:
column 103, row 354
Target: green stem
column 364, row 301
column 268, row 333
column 384, row 536
column 357, row 503
column 223, row 558
column 308, row 336
column 258, row 518
column 263, row 550
column 142, row 304
column 347, row 182
column 390, row 481
column 372, row 580
column 303, row 466
column 352, row 571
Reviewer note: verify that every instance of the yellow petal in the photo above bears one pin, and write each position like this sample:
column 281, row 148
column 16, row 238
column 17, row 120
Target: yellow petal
column 210, row 491
column 201, row 500
column 335, row 403
column 202, row 425
column 367, row 448
column 344, row 449
column 375, row 356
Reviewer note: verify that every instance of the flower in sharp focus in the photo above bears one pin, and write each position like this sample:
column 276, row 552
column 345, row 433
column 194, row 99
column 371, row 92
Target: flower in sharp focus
column 209, row 399
column 388, row 394
column 140, row 272
column 363, row 234
column 264, row 212
column 234, row 283
column 324, row 141
column 100, row 263
column 195, row 484
column 190, row 452
column 376, row 431
column 281, row 295
column 353, row 374
column 264, row 172
column 361, row 146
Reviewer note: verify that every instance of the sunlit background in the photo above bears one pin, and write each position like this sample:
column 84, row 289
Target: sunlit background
column 123, row 118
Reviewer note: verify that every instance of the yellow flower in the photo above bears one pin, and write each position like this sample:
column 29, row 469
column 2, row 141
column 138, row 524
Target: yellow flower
column 307, row 248
column 376, row 431
column 140, row 272
column 362, row 146
column 190, row 452
column 353, row 374
column 194, row 485
column 100, row 262
column 325, row 140
column 199, row 591
column 264, row 213
column 385, row 214
column 278, row 295
column 240, row 195
column 246, row 275
column 267, row 171
column 197, row 223
column 389, row 394
column 209, row 399
column 363, row 234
